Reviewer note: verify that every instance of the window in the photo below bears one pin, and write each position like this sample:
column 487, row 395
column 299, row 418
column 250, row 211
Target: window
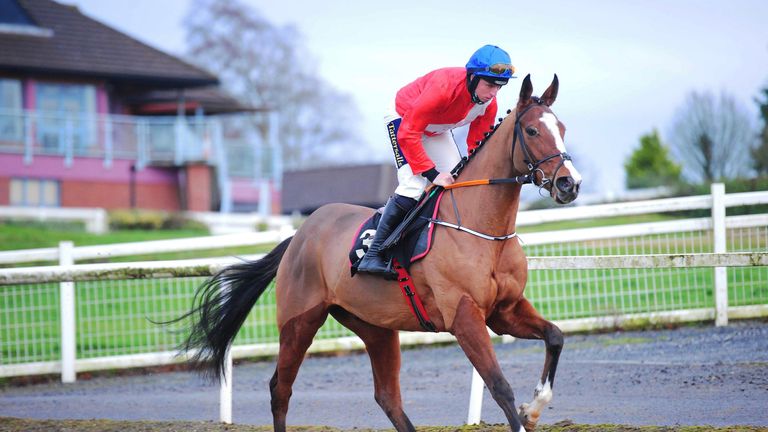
column 35, row 192
column 11, row 114
column 66, row 111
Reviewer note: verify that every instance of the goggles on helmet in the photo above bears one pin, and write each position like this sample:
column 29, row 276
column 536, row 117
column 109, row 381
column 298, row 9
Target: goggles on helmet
column 500, row 69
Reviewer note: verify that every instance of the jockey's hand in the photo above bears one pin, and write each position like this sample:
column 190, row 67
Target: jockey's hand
column 443, row 179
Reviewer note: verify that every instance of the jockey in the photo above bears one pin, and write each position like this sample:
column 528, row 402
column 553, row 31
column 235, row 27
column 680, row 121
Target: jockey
column 420, row 134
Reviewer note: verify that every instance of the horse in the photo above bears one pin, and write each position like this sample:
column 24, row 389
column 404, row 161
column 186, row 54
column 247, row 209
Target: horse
column 313, row 276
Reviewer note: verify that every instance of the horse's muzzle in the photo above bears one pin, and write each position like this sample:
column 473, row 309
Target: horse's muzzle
column 566, row 189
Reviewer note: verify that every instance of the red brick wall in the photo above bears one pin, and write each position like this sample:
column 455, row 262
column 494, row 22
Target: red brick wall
column 112, row 196
column 198, row 187
column 5, row 191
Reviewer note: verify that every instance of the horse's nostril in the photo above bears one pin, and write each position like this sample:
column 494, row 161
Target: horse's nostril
column 565, row 184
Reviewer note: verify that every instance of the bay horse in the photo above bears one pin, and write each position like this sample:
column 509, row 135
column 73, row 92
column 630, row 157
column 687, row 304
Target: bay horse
column 466, row 282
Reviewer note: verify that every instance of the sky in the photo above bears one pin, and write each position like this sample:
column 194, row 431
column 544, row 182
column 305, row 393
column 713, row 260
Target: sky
column 625, row 67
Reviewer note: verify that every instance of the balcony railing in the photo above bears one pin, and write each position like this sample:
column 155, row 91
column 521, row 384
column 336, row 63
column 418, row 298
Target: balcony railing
column 230, row 142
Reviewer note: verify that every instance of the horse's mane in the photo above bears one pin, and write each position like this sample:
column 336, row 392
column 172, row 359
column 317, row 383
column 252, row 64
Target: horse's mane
column 487, row 136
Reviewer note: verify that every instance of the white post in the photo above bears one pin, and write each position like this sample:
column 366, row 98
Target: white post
column 225, row 388
column 475, row 398
column 69, row 142
column 265, row 199
column 29, row 139
column 719, row 233
column 109, row 147
column 67, row 304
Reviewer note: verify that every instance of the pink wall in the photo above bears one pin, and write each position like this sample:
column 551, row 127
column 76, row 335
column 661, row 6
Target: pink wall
column 87, row 183
column 244, row 190
column 87, row 169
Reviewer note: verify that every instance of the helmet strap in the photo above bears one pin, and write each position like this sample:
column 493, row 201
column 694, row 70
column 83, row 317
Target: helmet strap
column 472, row 81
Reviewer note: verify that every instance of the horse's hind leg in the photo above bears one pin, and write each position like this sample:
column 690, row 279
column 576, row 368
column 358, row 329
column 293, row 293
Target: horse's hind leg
column 383, row 346
column 295, row 338
column 524, row 321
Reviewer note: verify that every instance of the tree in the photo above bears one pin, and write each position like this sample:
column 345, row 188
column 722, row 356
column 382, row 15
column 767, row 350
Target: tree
column 650, row 165
column 268, row 67
column 760, row 151
column 712, row 137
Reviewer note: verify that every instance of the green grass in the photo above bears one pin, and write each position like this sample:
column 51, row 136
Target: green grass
column 595, row 222
column 113, row 317
column 15, row 236
column 31, row 236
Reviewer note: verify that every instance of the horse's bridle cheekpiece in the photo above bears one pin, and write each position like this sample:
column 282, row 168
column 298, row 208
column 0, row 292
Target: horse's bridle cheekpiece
column 532, row 163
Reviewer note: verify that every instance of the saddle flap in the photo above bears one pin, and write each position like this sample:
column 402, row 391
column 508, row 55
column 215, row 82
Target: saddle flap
column 414, row 235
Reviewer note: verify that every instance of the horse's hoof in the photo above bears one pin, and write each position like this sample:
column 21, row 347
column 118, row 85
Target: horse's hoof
column 529, row 420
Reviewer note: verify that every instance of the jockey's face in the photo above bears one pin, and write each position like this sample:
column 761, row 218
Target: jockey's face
column 486, row 91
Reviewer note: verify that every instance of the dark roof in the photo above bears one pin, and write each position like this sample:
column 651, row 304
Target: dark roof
column 368, row 185
column 12, row 13
column 212, row 100
column 76, row 45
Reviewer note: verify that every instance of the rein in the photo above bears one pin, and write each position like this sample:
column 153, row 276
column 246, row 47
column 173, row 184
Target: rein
column 522, row 179
column 533, row 167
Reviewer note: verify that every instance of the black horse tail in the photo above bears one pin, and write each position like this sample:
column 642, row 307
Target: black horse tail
column 218, row 314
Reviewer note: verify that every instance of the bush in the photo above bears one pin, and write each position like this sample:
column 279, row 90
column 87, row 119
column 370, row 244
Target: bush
column 731, row 186
column 150, row 220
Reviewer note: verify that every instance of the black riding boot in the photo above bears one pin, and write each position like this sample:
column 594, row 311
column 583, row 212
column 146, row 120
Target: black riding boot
column 374, row 261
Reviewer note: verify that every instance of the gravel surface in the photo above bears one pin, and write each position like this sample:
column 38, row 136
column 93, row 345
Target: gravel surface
column 687, row 376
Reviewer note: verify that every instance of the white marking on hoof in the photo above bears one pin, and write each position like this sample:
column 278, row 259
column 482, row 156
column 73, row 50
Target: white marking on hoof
column 530, row 413
column 543, row 394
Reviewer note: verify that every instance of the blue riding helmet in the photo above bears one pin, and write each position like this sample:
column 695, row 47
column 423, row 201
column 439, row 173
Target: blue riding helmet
column 489, row 63
column 492, row 64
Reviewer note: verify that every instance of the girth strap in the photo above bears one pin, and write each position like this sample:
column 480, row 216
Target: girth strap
column 406, row 285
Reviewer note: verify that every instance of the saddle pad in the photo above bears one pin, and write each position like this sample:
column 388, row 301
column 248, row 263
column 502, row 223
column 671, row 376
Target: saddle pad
column 416, row 242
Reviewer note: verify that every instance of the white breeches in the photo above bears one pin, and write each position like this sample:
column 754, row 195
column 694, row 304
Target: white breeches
column 444, row 153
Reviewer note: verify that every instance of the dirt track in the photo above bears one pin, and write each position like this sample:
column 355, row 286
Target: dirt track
column 688, row 376
column 18, row 425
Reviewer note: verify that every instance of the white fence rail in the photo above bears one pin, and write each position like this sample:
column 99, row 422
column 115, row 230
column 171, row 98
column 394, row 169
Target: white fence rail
column 149, row 247
column 95, row 219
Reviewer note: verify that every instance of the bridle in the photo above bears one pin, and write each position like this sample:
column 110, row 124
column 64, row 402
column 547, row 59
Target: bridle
column 531, row 162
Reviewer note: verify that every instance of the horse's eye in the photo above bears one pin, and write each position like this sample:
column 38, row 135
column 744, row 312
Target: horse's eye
column 531, row 131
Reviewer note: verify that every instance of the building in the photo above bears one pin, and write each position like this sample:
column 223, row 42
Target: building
column 90, row 117
column 304, row 191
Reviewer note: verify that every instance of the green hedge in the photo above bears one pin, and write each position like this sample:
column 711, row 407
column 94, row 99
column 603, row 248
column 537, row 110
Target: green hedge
column 150, row 220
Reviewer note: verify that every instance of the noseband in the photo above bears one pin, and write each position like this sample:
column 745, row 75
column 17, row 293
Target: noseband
column 533, row 163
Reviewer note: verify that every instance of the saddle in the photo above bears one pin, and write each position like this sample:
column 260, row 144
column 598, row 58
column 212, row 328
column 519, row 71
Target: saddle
column 409, row 242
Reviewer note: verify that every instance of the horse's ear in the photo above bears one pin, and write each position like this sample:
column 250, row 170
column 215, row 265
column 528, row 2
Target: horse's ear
column 550, row 95
column 526, row 90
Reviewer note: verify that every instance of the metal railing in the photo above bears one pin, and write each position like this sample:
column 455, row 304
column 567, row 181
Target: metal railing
column 231, row 141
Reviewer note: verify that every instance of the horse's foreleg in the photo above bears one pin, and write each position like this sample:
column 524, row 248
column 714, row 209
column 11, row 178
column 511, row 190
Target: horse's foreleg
column 471, row 333
column 526, row 323
column 295, row 338
column 383, row 346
